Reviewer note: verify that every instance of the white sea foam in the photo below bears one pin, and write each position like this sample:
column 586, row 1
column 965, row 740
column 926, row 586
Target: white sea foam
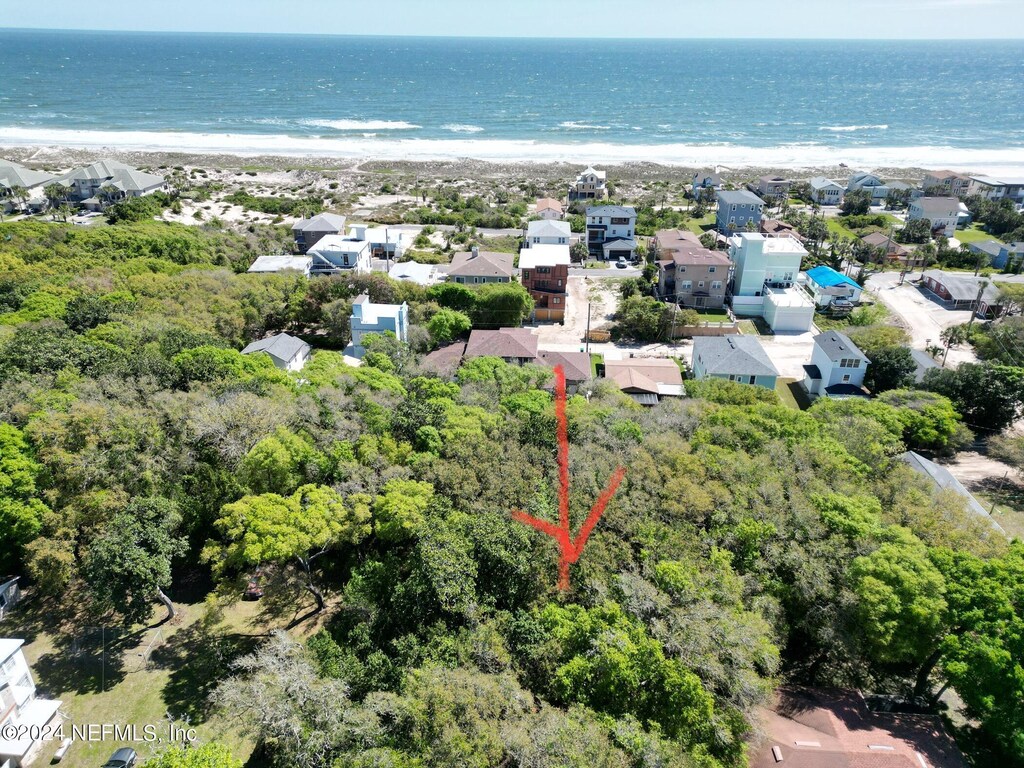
column 462, row 128
column 363, row 125
column 852, row 128
column 573, row 125
column 996, row 161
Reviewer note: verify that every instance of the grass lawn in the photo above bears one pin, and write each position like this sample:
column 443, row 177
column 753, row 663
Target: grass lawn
column 974, row 234
column 792, row 394
column 701, row 225
column 837, row 229
column 595, row 360
column 747, row 327
column 713, row 315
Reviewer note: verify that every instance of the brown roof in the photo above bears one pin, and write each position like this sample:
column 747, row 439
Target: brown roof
column 834, row 729
column 504, row 342
column 481, row 264
column 549, row 204
column 777, row 227
column 684, row 248
column 575, row 364
column 674, row 238
column 643, row 374
column 882, row 240
column 444, row 361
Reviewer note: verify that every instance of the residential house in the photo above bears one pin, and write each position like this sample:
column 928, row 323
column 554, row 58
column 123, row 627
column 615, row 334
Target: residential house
column 611, row 230
column 23, row 715
column 549, row 208
column 309, row 232
column 812, row 728
column 334, row 254
column 941, row 479
column 879, row 189
column 837, row 367
column 688, row 273
column 592, row 184
column 941, row 212
column 287, row 352
column 384, row 242
column 706, row 183
column 14, row 176
column 959, row 290
column 646, row 379
column 545, row 232
column 826, row 285
column 106, row 181
column 1001, row 255
column 544, row 272
column 779, row 227
column 923, row 363
column 414, row 272
column 825, row 191
column 575, row 366
column 893, row 251
column 948, row 183
column 282, row 263
column 997, row 188
column 476, row 267
column 736, row 358
column 773, row 187
column 517, row 346
column 368, row 317
column 10, row 595
column 765, row 272
column 738, row 211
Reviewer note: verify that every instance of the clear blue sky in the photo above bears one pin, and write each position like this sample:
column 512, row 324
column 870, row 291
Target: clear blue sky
column 902, row 19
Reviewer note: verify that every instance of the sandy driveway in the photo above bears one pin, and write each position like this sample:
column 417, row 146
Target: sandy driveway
column 922, row 318
column 603, row 297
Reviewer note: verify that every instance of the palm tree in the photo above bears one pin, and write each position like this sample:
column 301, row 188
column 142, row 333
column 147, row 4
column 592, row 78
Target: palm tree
column 108, row 194
column 21, row 194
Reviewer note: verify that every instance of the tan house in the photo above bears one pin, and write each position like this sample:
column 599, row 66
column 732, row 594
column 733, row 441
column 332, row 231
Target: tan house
column 477, row 267
column 950, row 182
column 688, row 273
column 592, row 184
column 773, row 187
column 549, row 209
column 893, row 250
column 646, row 379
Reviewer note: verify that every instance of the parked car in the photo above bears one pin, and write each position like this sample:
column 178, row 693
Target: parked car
column 621, row 263
column 125, row 757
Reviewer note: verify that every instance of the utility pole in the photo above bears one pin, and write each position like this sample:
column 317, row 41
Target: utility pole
column 587, row 338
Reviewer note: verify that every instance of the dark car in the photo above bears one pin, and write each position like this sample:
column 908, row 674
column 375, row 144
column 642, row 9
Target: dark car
column 125, row 757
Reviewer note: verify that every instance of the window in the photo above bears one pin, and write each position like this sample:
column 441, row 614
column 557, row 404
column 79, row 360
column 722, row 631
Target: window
column 687, row 285
column 711, row 269
column 700, row 284
column 732, row 208
column 846, row 378
column 716, row 285
column 559, row 283
column 556, row 300
column 752, row 379
column 682, row 269
column 526, row 274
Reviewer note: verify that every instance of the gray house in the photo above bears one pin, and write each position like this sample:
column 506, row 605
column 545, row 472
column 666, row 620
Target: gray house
column 13, row 176
column 89, row 182
column 942, row 479
column 736, row 358
column 738, row 211
column 309, row 232
column 287, row 352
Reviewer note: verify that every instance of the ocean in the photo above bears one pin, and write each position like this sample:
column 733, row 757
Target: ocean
column 688, row 102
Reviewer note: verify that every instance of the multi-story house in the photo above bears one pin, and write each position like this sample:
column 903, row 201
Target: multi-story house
column 368, row 317
column 837, row 367
column 592, row 184
column 688, row 273
column 106, row 181
column 309, row 232
column 826, row 285
column 611, row 230
column 874, row 184
column 734, row 358
column 998, row 188
column 476, row 267
column 336, row 254
column 738, row 211
column 775, row 187
column 706, row 183
column 14, row 176
column 544, row 272
column 949, row 182
column 942, row 212
column 765, row 271
column 20, row 708
column 545, row 232
column 549, row 208
column 825, row 191
column 385, row 242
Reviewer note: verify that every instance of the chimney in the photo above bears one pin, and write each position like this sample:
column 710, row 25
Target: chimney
column 476, row 251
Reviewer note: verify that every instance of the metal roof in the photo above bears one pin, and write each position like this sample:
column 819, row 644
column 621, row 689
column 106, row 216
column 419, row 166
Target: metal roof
column 548, row 228
column 614, row 211
column 943, row 479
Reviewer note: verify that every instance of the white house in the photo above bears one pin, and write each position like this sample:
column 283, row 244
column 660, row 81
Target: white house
column 287, row 352
column 281, row 263
column 368, row 317
column 706, row 180
column 548, row 233
column 874, row 184
column 826, row 285
column 837, row 367
column 10, row 595
column 764, row 280
column 334, row 253
column 384, row 242
column 592, row 184
column 942, row 212
column 825, row 191
column 414, row 272
column 20, row 707
column 611, row 230
column 549, row 208
column 13, row 176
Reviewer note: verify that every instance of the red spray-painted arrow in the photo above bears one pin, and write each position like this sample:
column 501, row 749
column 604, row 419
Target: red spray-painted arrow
column 570, row 548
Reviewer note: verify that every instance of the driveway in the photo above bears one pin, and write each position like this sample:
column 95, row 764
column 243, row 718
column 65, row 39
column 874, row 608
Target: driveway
column 923, row 319
column 598, row 296
column 789, row 352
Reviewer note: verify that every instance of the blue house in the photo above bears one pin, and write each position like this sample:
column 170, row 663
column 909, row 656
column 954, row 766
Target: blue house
column 736, row 358
column 999, row 254
column 368, row 317
column 738, row 211
column 826, row 285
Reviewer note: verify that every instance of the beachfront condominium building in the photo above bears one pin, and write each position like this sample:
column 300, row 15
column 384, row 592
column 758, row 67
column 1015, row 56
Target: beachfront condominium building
column 592, row 184
column 942, row 212
column 825, row 191
column 548, row 233
column 544, row 272
column 738, row 211
column 23, row 715
column 942, row 183
column 335, row 254
column 765, row 270
column 368, row 318
column 688, row 273
column 308, row 232
column 107, row 181
column 611, row 230
column 14, row 178
column 773, row 187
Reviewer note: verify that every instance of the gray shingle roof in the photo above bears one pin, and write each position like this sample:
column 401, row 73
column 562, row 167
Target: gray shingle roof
column 324, row 222
column 14, row 175
column 838, row 346
column 738, row 355
column 943, row 479
column 738, row 197
column 938, row 206
column 119, row 175
column 281, row 347
column 482, row 264
column 964, row 287
column 991, row 247
column 614, row 211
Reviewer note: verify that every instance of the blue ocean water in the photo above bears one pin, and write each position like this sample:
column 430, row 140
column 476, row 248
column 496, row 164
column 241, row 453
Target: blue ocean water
column 657, row 99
